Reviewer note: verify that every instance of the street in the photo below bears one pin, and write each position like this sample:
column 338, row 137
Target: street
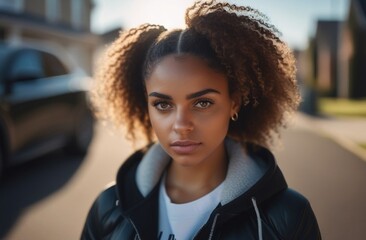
column 332, row 179
column 49, row 198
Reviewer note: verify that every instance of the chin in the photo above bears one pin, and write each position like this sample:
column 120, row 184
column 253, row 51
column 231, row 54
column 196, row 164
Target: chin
column 186, row 160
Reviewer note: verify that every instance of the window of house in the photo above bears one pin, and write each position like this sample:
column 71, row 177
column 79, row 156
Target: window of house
column 53, row 10
column 13, row 5
column 77, row 13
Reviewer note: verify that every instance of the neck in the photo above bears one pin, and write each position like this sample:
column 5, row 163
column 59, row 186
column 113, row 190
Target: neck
column 188, row 183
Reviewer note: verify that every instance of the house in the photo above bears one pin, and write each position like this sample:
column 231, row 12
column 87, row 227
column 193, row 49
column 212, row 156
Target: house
column 305, row 81
column 61, row 24
column 352, row 54
column 325, row 50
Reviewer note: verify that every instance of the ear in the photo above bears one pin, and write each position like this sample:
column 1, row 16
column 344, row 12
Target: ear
column 235, row 103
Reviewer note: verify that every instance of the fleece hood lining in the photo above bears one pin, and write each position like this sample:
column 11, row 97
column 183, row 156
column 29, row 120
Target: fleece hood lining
column 243, row 171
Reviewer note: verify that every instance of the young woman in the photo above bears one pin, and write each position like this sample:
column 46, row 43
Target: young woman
column 212, row 95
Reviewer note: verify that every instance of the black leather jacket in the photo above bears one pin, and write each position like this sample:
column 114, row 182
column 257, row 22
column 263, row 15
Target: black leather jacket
column 268, row 210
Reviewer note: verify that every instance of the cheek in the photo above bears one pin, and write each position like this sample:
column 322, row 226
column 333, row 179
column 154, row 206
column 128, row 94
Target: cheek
column 215, row 121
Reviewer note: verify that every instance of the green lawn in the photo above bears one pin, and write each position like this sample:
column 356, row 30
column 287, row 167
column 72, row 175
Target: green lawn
column 343, row 107
column 363, row 145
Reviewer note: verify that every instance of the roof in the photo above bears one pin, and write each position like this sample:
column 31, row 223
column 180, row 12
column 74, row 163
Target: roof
column 327, row 32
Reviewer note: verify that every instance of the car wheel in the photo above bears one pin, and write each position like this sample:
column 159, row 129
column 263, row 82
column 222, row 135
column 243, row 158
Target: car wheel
column 83, row 135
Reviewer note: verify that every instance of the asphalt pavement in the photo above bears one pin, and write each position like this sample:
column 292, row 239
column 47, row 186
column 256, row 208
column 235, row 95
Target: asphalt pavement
column 348, row 132
column 331, row 177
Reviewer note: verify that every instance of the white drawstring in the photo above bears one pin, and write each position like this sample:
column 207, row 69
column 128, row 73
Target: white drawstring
column 259, row 222
column 137, row 236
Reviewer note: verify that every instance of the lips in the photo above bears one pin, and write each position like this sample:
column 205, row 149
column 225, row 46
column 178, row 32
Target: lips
column 184, row 146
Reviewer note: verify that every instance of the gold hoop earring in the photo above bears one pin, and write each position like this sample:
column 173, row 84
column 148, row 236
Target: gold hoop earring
column 235, row 117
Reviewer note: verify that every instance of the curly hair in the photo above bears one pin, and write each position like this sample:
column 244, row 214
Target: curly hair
column 235, row 40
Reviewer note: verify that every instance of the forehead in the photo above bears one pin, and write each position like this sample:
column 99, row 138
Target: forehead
column 184, row 72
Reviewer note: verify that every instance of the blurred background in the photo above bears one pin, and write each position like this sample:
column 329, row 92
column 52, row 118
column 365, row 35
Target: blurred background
column 55, row 157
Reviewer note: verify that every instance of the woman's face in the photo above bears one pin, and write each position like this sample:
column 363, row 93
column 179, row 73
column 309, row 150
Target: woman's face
column 189, row 108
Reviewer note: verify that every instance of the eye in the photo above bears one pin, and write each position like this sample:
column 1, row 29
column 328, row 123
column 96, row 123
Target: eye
column 203, row 103
column 162, row 106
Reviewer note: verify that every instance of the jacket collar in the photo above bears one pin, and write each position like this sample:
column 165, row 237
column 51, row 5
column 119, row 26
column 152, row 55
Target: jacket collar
column 271, row 183
column 243, row 171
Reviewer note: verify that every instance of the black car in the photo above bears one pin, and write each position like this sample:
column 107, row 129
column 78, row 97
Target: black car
column 43, row 105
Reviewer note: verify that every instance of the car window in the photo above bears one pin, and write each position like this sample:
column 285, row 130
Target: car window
column 4, row 53
column 53, row 66
column 27, row 65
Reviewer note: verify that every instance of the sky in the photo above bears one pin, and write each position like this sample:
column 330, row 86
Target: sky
column 295, row 19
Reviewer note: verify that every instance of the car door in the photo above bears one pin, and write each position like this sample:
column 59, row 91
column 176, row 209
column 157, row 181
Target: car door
column 62, row 99
column 32, row 106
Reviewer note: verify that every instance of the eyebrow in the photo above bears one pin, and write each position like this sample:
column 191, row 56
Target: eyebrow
column 201, row 93
column 189, row 96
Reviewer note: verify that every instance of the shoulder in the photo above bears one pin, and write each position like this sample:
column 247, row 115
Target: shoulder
column 102, row 215
column 106, row 200
column 104, row 203
column 290, row 200
column 290, row 213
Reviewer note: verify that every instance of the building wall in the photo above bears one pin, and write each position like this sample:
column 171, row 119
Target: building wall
column 324, row 65
column 65, row 9
column 35, row 7
column 352, row 58
column 63, row 24
column 345, row 54
column 326, row 48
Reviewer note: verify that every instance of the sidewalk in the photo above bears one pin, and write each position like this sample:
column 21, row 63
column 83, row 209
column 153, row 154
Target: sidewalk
column 347, row 132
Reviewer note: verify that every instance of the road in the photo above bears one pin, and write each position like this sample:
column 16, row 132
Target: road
column 332, row 179
column 49, row 198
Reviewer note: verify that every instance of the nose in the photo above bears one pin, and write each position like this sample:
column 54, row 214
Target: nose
column 183, row 122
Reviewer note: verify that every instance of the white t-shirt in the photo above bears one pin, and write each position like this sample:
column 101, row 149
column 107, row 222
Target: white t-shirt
column 183, row 221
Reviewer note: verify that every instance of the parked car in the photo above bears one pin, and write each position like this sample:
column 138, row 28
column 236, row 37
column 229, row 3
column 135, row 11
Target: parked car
column 43, row 105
